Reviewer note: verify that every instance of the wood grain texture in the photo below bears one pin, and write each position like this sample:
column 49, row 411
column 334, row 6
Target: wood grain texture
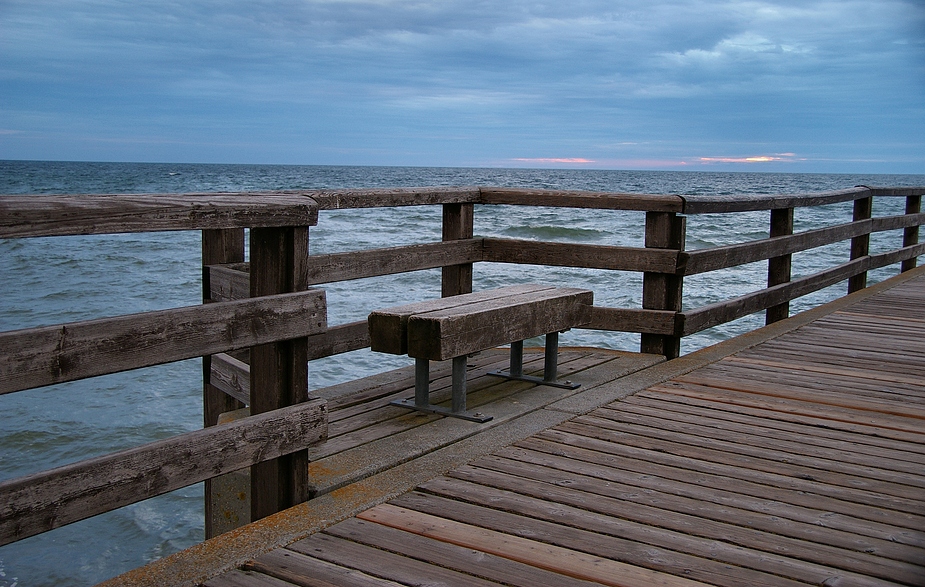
column 53, row 354
column 442, row 334
column 579, row 255
column 41, row 502
column 30, row 216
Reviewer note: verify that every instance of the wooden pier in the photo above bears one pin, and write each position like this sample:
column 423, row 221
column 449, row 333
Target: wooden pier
column 791, row 455
column 794, row 455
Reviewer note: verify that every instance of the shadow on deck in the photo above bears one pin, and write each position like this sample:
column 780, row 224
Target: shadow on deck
column 792, row 455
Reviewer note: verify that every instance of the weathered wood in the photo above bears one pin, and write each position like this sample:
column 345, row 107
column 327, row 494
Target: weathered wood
column 911, row 233
column 663, row 290
column 38, row 503
column 229, row 281
column 633, row 320
column 860, row 245
column 452, row 332
column 54, row 354
column 752, row 202
column 779, row 267
column 570, row 562
column 726, row 311
column 218, row 246
column 306, row 571
column 29, row 216
column 579, row 255
column 279, row 370
column 458, row 224
column 715, row 258
column 389, row 328
column 389, row 197
column 232, row 377
column 581, row 199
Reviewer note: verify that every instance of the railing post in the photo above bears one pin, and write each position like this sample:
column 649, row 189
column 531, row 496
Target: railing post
column 458, row 220
column 860, row 245
column 911, row 234
column 779, row 268
column 278, row 371
column 662, row 291
column 218, row 246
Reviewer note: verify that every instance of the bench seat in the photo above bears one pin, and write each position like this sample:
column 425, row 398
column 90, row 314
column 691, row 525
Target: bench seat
column 454, row 327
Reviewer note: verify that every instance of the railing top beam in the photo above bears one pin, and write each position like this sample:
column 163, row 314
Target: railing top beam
column 749, row 203
column 388, row 197
column 60, row 215
column 582, row 199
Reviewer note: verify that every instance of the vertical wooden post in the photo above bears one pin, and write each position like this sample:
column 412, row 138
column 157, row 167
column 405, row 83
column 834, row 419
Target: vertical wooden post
column 458, row 221
column 911, row 234
column 779, row 268
column 662, row 291
column 218, row 246
column 860, row 245
column 278, row 371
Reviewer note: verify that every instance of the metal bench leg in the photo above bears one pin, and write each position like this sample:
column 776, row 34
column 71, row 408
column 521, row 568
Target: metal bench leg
column 421, row 401
column 550, row 365
column 421, row 383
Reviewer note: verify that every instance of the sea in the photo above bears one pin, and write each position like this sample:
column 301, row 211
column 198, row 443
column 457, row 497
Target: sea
column 65, row 279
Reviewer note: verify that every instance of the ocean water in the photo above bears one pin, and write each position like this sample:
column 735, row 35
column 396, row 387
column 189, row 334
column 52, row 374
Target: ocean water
column 54, row 280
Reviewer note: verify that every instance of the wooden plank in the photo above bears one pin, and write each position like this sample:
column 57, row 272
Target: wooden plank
column 766, row 427
column 779, row 267
column 751, row 202
column 454, row 557
column 228, row 281
column 458, row 224
column 371, row 263
column 581, row 199
column 557, row 559
column 53, row 354
column 707, row 483
column 232, row 377
column 773, row 557
column 776, row 455
column 442, row 334
column 632, row 320
column 279, row 369
column 238, row 578
column 911, row 233
column 579, row 255
column 44, row 501
column 726, row 311
column 663, row 290
column 754, row 529
column 389, row 327
column 711, row 474
column 306, row 571
column 389, row 197
column 384, row 564
column 33, row 215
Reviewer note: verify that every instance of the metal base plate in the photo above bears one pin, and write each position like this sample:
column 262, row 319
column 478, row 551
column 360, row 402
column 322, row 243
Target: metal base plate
column 537, row 380
column 431, row 409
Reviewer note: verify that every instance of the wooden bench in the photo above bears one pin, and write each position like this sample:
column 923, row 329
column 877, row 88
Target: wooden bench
column 454, row 327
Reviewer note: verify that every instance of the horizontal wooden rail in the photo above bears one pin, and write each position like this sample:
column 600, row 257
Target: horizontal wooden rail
column 633, row 320
column 53, row 354
column 580, row 255
column 751, row 203
column 392, row 197
column 44, row 501
column 30, row 216
column 581, row 199
column 376, row 262
column 694, row 321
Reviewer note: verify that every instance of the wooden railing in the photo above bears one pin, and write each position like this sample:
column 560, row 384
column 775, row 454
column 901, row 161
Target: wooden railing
column 262, row 305
column 273, row 321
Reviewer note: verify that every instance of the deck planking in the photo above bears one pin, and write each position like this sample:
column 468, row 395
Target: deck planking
column 798, row 461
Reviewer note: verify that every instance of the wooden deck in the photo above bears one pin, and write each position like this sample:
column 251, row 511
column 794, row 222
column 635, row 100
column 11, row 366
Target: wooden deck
column 799, row 460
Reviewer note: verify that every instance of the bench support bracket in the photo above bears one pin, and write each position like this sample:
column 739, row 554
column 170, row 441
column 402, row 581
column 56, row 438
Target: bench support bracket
column 421, row 402
column 550, row 366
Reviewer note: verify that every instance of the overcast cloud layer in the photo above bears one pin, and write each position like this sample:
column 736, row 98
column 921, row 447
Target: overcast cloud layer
column 802, row 85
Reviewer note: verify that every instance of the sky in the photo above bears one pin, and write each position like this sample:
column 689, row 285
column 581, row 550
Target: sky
column 717, row 85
